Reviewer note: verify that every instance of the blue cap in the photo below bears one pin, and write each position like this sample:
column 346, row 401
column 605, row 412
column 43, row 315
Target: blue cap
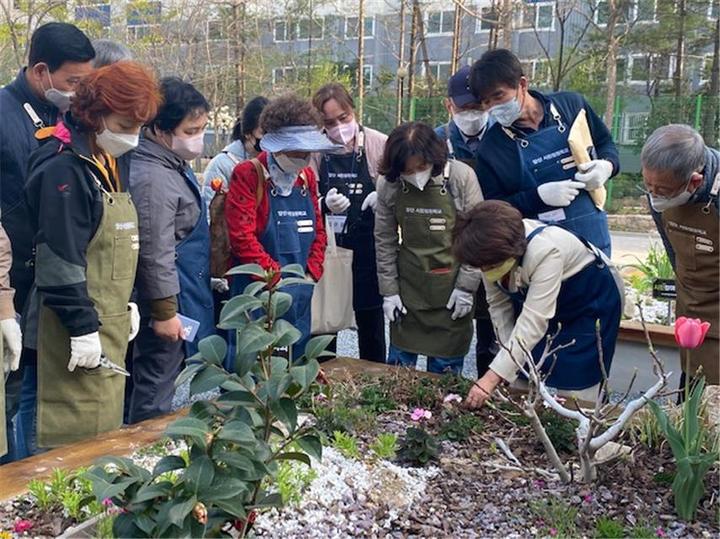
column 459, row 88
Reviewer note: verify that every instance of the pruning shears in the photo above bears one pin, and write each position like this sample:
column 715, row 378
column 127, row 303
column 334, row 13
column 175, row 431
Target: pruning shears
column 107, row 364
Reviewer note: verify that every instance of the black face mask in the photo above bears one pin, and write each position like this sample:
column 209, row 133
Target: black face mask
column 257, row 147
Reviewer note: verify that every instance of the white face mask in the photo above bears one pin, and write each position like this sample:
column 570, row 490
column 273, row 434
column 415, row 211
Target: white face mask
column 188, row 148
column 291, row 165
column 343, row 133
column 660, row 204
column 58, row 98
column 418, row 179
column 507, row 113
column 116, row 144
column 470, row 122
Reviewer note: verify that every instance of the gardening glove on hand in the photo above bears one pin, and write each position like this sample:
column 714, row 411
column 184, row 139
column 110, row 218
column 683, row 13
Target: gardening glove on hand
column 370, row 202
column 391, row 306
column 594, row 174
column 134, row 320
column 85, row 351
column 219, row 285
column 336, row 202
column 12, row 343
column 559, row 194
column 460, row 303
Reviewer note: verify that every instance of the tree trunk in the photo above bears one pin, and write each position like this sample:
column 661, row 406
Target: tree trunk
column 680, row 54
column 413, row 54
column 423, row 45
column 558, row 72
column 611, row 70
column 457, row 28
column 361, row 62
column 400, row 89
column 507, row 13
column 710, row 118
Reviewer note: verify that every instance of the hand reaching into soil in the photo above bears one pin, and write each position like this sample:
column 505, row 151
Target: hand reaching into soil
column 482, row 389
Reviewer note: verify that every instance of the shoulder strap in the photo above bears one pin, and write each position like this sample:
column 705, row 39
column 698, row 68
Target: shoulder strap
column 260, row 172
column 234, row 158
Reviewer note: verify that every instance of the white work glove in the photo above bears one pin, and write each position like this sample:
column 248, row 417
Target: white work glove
column 134, row 321
column 85, row 351
column 12, row 343
column 559, row 194
column 219, row 285
column 594, row 174
column 336, row 202
column 370, row 202
column 460, row 303
column 391, row 305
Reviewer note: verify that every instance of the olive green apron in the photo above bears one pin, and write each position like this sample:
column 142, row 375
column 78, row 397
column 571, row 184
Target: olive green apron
column 73, row 406
column 692, row 230
column 3, row 429
column 428, row 271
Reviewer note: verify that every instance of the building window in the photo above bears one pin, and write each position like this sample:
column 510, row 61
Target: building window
column 310, row 29
column 644, row 11
column 284, row 75
column 621, row 67
column 488, row 20
column 284, row 30
column 713, row 9
column 94, row 13
column 639, row 69
column 351, row 27
column 368, row 76
column 537, row 71
column 438, row 70
column 602, row 13
column 216, row 30
column 143, row 19
column 633, row 127
column 537, row 16
column 439, row 22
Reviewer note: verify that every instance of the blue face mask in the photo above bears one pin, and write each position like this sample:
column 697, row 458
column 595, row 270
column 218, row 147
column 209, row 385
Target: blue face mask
column 507, row 113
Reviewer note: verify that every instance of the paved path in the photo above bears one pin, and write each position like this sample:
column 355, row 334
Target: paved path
column 625, row 245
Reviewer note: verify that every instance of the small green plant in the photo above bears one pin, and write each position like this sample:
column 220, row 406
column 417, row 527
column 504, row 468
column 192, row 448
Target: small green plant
column 461, row 427
column 375, row 399
column 418, row 447
column 692, row 461
column 664, row 478
column 346, row 444
column 339, row 417
column 452, row 383
column 560, row 430
column 557, row 516
column 385, row 446
column 423, row 394
column 71, row 492
column 642, row 531
column 104, row 527
column 608, row 528
column 655, row 266
column 292, row 480
column 43, row 494
column 645, row 429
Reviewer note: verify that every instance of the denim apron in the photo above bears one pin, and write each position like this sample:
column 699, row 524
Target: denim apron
column 545, row 157
column 589, row 296
column 192, row 261
column 349, row 174
column 287, row 238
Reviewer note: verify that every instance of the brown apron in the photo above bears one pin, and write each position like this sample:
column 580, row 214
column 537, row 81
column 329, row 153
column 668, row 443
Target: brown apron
column 693, row 232
column 74, row 406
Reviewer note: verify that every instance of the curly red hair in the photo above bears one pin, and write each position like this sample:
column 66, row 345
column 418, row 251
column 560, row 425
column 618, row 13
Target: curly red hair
column 127, row 88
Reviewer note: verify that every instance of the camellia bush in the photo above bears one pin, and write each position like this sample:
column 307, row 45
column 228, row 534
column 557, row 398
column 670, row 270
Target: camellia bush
column 236, row 442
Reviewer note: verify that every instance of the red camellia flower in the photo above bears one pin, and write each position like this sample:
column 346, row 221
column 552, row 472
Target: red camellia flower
column 690, row 332
column 21, row 526
column 238, row 524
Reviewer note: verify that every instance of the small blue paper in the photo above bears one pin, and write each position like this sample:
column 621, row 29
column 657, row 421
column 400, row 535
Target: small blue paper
column 190, row 327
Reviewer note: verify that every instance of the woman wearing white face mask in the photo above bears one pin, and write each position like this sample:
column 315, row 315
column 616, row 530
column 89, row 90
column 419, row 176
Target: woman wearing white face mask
column 173, row 272
column 347, row 183
column 272, row 209
column 428, row 295
column 86, row 247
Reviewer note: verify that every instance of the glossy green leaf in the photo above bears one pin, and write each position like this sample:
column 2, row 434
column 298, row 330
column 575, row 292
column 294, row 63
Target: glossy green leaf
column 248, row 269
column 236, row 308
column 277, row 385
column 311, row 445
column 294, row 455
column 316, row 347
column 200, row 474
column 180, row 509
column 294, row 269
column 167, row 464
column 188, row 426
column 285, row 333
column 188, row 373
column 238, row 432
column 253, row 288
column 280, row 304
column 152, row 491
column 305, row 375
column 286, row 411
column 244, row 362
column 234, row 506
column 213, row 349
column 208, row 379
column 254, row 338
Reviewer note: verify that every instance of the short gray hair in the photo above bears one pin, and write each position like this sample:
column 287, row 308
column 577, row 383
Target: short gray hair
column 108, row 52
column 677, row 148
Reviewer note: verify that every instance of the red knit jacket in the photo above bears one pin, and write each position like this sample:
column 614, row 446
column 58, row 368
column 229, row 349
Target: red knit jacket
column 246, row 222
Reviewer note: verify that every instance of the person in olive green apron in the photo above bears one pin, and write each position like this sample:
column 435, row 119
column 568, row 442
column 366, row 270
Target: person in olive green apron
column 682, row 177
column 86, row 248
column 10, row 335
column 428, row 295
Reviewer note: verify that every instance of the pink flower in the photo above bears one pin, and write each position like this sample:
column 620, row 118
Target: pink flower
column 320, row 398
column 21, row 526
column 538, row 483
column 660, row 532
column 588, row 498
column 553, row 532
column 418, row 414
column 107, row 502
column 452, row 397
column 690, row 332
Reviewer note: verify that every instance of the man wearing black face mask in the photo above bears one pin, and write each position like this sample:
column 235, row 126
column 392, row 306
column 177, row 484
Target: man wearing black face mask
column 60, row 56
column 682, row 177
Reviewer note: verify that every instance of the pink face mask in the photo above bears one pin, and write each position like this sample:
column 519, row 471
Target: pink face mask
column 343, row 133
column 188, row 148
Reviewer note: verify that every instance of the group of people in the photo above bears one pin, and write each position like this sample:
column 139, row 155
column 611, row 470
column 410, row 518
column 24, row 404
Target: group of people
column 491, row 218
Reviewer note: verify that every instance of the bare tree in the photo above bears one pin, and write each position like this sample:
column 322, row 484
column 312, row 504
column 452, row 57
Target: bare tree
column 361, row 59
column 710, row 119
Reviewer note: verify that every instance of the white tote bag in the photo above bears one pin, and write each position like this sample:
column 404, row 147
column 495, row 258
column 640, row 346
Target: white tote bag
column 332, row 301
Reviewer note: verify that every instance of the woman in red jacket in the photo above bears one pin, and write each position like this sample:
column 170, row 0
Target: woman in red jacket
column 276, row 220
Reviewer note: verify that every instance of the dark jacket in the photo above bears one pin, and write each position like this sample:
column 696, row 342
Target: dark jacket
column 498, row 161
column 17, row 141
column 65, row 206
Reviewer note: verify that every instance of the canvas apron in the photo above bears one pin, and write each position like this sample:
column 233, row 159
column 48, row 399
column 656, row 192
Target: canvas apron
column 428, row 272
column 350, row 175
column 545, row 157
column 587, row 297
column 692, row 230
column 192, row 261
column 74, row 406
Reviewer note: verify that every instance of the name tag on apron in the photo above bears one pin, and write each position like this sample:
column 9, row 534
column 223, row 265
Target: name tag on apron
column 553, row 216
column 337, row 223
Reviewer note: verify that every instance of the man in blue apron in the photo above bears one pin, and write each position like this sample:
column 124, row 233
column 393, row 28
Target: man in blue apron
column 467, row 125
column 525, row 159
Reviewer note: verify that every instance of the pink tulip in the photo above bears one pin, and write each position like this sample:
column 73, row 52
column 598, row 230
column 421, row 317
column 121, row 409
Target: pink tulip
column 690, row 332
column 21, row 526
